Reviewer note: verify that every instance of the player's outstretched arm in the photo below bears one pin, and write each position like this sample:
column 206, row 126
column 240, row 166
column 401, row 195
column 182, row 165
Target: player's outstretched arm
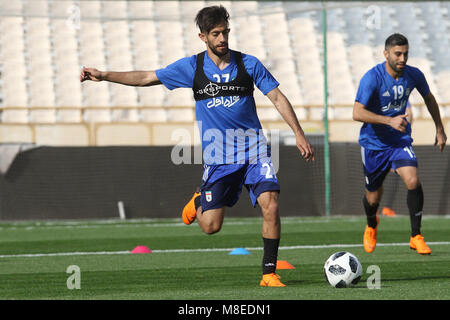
column 433, row 108
column 129, row 78
column 284, row 107
column 360, row 113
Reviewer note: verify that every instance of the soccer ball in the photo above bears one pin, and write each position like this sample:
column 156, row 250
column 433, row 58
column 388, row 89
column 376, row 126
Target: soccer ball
column 342, row 269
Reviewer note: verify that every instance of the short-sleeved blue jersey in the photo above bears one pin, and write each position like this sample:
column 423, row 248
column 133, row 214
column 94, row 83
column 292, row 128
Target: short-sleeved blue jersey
column 228, row 125
column 380, row 93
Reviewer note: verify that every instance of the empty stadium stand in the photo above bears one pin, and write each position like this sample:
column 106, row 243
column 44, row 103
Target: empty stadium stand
column 44, row 44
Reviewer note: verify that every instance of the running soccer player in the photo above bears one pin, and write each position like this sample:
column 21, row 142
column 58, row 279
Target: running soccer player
column 385, row 136
column 235, row 152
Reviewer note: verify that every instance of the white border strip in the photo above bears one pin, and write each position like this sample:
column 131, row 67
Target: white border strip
column 59, row 254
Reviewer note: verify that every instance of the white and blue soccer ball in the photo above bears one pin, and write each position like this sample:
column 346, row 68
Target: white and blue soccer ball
column 342, row 270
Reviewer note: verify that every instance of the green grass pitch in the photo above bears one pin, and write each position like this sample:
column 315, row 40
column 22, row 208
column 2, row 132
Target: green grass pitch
column 187, row 264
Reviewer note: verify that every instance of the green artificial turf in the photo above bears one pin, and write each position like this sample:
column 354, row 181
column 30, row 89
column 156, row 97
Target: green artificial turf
column 187, row 264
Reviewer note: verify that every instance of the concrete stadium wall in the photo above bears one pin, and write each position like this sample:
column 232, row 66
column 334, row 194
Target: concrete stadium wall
column 88, row 182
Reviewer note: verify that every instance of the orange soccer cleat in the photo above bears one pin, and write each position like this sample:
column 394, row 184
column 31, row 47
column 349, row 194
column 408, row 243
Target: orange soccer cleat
column 271, row 280
column 370, row 237
column 189, row 211
column 388, row 212
column 418, row 243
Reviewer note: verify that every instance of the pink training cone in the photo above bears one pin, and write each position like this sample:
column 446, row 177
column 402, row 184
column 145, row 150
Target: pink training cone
column 141, row 249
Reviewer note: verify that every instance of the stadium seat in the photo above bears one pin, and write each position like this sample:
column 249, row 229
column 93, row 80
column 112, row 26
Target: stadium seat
column 140, row 9
column 142, row 29
column 443, row 85
column 193, row 44
column 42, row 93
column 313, row 92
column 180, row 97
column 181, row 114
column 343, row 113
column 316, row 112
column 166, row 134
column 344, row 131
column 167, row 8
column 243, row 8
column 59, row 9
column 145, row 58
column 154, row 115
column 116, row 9
column 90, row 9
column 69, row 115
column 123, row 95
column 16, row 96
column 97, row 115
column 268, row 114
column 68, row 93
column 42, row 116
column 301, row 112
column 423, row 131
column 15, row 133
column 13, row 8
column 125, row 115
column 95, row 94
column 36, row 8
column 123, row 134
column 361, row 60
column 91, row 32
column 260, row 99
column 61, row 134
column 189, row 9
column 15, row 116
column 151, row 96
column 42, row 52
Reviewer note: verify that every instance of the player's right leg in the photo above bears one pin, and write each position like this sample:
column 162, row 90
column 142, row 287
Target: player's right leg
column 221, row 188
column 376, row 166
column 210, row 220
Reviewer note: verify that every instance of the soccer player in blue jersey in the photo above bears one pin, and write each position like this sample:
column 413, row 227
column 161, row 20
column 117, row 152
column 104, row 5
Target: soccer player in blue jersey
column 385, row 136
column 235, row 152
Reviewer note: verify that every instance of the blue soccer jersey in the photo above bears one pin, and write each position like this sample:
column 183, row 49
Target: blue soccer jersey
column 380, row 93
column 230, row 130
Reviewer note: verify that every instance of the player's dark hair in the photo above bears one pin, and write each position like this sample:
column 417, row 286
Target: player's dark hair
column 209, row 17
column 395, row 39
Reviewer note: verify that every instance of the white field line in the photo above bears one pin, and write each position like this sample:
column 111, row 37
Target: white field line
column 143, row 225
column 341, row 246
column 148, row 223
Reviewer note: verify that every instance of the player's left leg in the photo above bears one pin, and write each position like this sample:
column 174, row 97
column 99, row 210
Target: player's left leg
column 271, row 231
column 415, row 200
column 263, row 187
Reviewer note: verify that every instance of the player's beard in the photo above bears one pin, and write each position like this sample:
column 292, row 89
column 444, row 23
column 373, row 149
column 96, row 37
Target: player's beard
column 217, row 52
column 393, row 66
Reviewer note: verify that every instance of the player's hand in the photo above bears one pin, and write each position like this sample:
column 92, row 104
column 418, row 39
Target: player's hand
column 306, row 150
column 399, row 122
column 90, row 74
column 441, row 139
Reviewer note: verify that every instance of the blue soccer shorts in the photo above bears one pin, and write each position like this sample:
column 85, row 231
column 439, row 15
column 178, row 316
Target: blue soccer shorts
column 378, row 163
column 222, row 184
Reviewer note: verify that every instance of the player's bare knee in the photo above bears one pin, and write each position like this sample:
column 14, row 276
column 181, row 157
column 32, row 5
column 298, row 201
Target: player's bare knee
column 374, row 197
column 211, row 228
column 412, row 183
